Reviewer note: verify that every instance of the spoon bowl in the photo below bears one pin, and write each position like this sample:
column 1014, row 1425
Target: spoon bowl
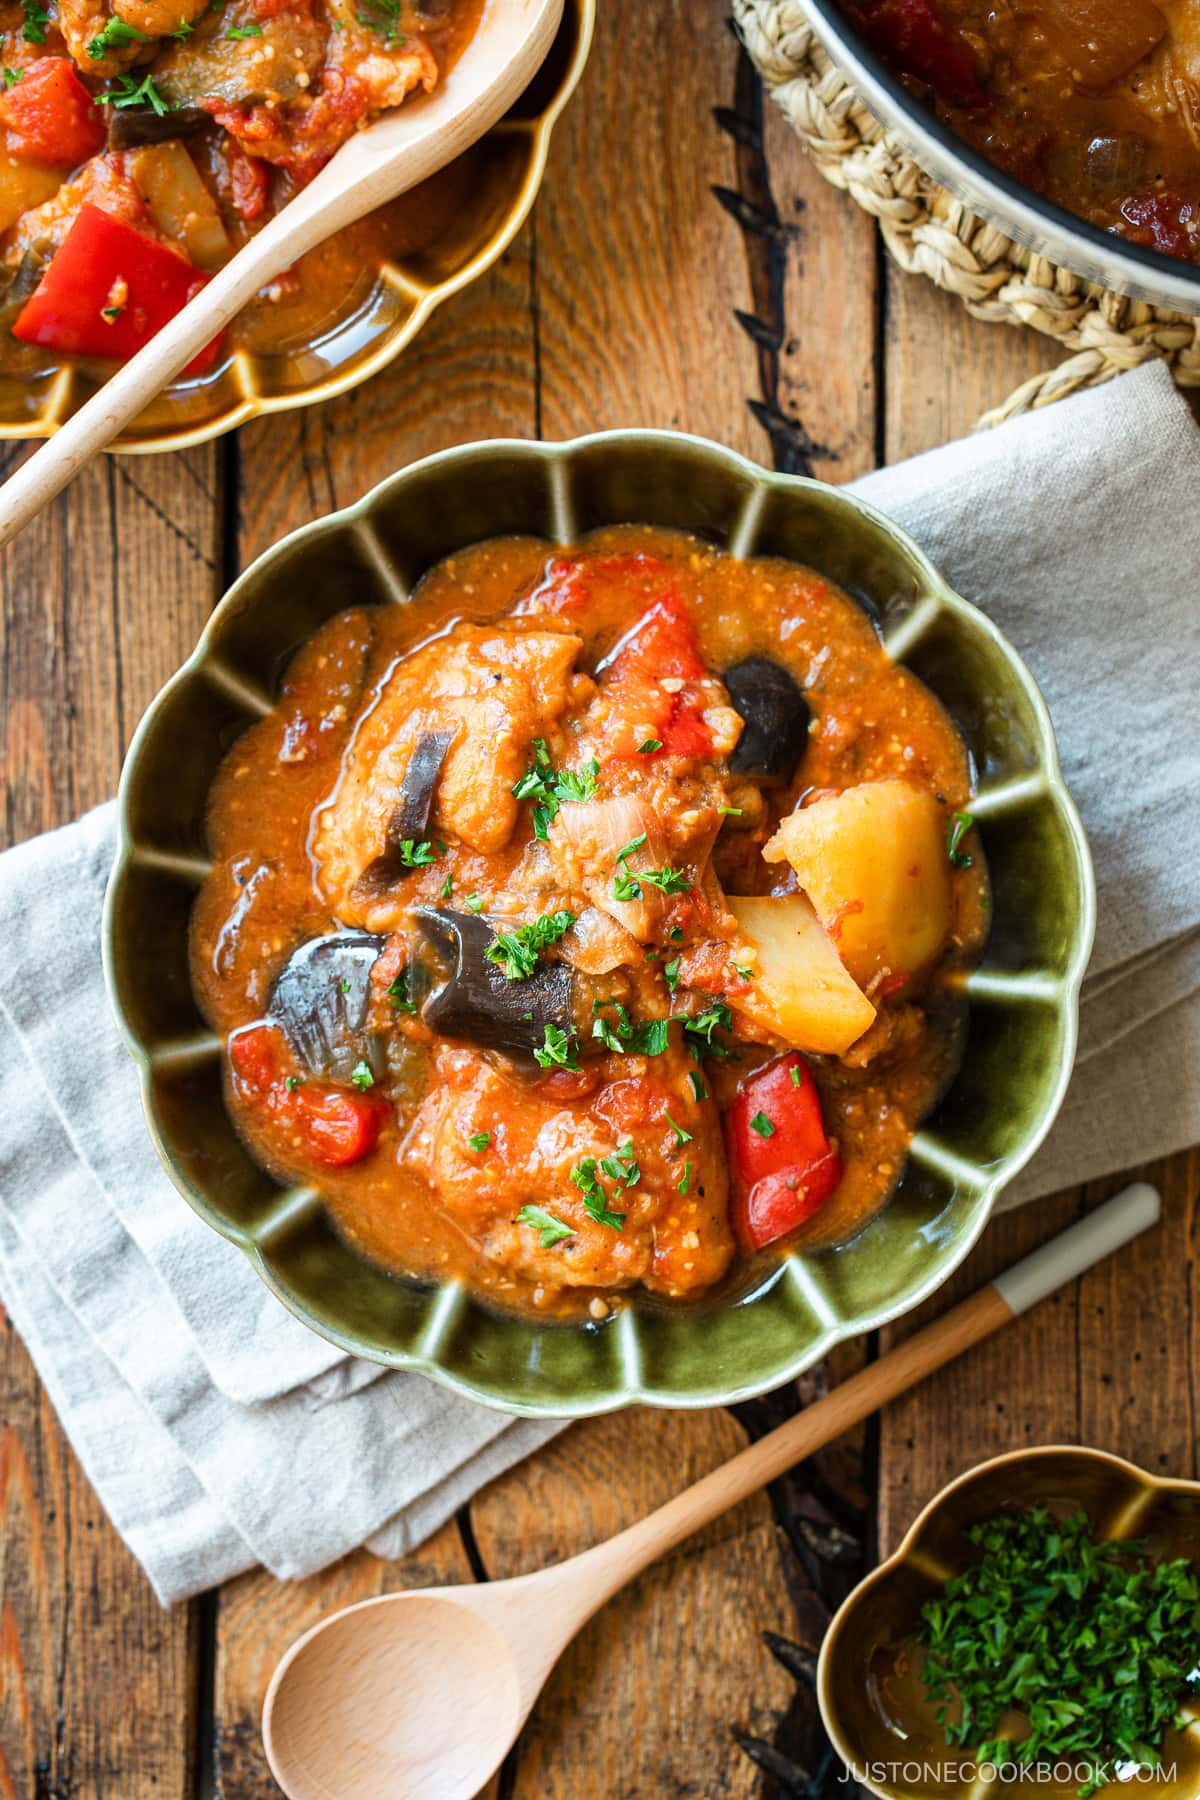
column 425, row 1707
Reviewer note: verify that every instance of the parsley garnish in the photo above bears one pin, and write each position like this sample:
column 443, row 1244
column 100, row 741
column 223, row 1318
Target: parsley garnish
column 671, row 973
column 12, row 76
column 383, row 16
column 796, row 1075
column 1094, row 1642
column 700, row 1030
column 558, row 1051
column 551, row 1230
column 414, row 854
column 549, row 788
column 111, row 313
column 685, row 1180
column 473, row 903
column 135, row 93
column 36, row 21
column 398, row 994
column 651, row 1037
column 622, row 1165
column 603, row 1032
column 698, row 1087
column 447, row 888
column 762, row 1125
column 676, row 934
column 517, row 952
column 681, row 1136
column 732, row 812
column 629, row 887
column 293, row 1082
column 479, row 1140
column 595, row 1200
column 960, row 824
column 183, row 30
column 244, row 31
column 362, row 1076
column 649, row 747
column 115, row 36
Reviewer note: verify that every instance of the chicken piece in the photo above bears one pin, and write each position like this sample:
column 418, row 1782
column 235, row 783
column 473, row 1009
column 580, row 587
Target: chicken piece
column 495, row 691
column 541, row 1149
column 365, row 73
column 82, row 22
column 243, row 76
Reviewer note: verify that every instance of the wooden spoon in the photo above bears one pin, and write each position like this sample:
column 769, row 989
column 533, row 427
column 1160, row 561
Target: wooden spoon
column 420, row 1695
column 403, row 147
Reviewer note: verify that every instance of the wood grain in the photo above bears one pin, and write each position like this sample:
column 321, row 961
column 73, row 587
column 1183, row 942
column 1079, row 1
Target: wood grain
column 98, row 1687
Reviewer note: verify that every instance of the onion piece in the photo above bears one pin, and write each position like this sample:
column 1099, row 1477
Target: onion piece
column 180, row 204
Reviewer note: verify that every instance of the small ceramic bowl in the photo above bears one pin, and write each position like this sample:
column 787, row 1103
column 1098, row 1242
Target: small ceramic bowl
column 1021, row 1036
column 872, row 1701
column 484, row 198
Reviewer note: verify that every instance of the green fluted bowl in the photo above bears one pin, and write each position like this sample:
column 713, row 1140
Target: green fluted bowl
column 1024, row 997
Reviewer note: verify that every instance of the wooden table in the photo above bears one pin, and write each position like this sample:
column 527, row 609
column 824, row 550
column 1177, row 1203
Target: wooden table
column 685, row 267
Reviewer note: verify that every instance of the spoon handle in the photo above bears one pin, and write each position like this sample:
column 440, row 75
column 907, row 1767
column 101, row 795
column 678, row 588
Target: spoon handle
column 610, row 1565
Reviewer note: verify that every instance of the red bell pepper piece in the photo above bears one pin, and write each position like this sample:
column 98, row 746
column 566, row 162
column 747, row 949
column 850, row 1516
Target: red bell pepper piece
column 50, row 116
column 107, row 291
column 783, row 1166
column 335, row 1128
column 661, row 647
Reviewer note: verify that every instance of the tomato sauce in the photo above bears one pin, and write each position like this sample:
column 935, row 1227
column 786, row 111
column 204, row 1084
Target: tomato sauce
column 530, row 773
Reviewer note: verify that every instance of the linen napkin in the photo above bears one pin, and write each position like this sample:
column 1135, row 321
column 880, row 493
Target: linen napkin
column 218, row 1431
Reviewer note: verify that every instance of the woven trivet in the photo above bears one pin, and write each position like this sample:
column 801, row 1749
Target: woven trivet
column 931, row 233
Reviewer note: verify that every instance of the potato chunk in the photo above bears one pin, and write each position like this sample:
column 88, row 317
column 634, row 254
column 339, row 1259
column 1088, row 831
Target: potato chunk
column 801, row 992
column 873, row 862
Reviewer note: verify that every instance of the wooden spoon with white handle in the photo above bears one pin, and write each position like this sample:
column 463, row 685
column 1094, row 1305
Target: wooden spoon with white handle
column 402, row 147
column 419, row 1695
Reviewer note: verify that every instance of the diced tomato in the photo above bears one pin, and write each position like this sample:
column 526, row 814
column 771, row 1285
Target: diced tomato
column 270, row 9
column 662, row 647
column 783, row 1166
column 50, row 116
column 911, row 35
column 1164, row 222
column 249, row 179
column 336, row 1128
column 107, row 291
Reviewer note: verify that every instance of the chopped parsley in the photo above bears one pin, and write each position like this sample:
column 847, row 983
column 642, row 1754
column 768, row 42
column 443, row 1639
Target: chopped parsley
column 479, row 1140
column 651, row 1036
column 700, row 1030
column 362, row 1076
column 629, row 887
column 796, row 1074
column 473, row 903
column 344, row 985
column 681, row 1136
column 685, row 1180
column 595, row 1200
column 557, row 1051
column 111, row 313
column 550, row 1230
column 517, row 952
column 604, row 1034
column 399, row 995
column 960, row 824
column 415, row 853
column 548, row 787
column 1094, row 1642
column 36, row 21
column 622, row 1165
column 244, row 31
column 383, row 16
column 12, row 76
column 731, row 812
column 762, row 1125
column 745, row 973
column 447, row 888
column 135, row 93
column 649, row 747
column 671, row 973
column 183, row 30
column 293, row 1082
column 117, row 35
column 698, row 1087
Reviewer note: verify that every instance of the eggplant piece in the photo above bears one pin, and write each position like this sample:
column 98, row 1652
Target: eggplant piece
column 411, row 814
column 479, row 1004
column 25, row 281
column 320, row 1002
column 131, row 127
column 776, row 717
